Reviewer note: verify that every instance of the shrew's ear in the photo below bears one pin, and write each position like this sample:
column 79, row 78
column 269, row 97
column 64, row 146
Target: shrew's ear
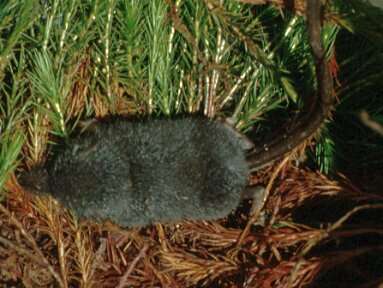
column 245, row 143
column 87, row 125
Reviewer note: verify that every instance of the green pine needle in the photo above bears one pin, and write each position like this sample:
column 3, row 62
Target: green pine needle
column 48, row 90
column 98, row 57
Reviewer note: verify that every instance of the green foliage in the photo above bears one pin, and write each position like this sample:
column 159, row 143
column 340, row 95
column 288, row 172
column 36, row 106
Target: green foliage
column 134, row 45
column 358, row 147
column 346, row 144
column 15, row 18
column 13, row 108
column 49, row 91
column 160, row 41
column 92, row 57
column 324, row 152
column 361, row 17
column 11, row 143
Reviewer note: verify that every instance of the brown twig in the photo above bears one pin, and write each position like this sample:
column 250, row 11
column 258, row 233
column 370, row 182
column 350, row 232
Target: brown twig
column 84, row 255
column 325, row 233
column 35, row 258
column 97, row 258
column 42, row 260
column 373, row 125
column 297, row 6
column 48, row 209
column 197, row 271
column 315, row 240
column 124, row 278
column 256, row 209
column 218, row 10
column 343, row 219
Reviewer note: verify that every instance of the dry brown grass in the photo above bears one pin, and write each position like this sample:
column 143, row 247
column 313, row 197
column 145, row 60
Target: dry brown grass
column 43, row 245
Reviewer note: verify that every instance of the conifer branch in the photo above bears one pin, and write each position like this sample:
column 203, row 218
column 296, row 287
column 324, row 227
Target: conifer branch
column 308, row 125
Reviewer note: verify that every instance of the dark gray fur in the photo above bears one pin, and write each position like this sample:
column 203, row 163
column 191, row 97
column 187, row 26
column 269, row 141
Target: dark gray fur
column 141, row 172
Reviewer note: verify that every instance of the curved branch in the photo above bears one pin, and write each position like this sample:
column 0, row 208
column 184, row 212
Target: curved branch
column 267, row 152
